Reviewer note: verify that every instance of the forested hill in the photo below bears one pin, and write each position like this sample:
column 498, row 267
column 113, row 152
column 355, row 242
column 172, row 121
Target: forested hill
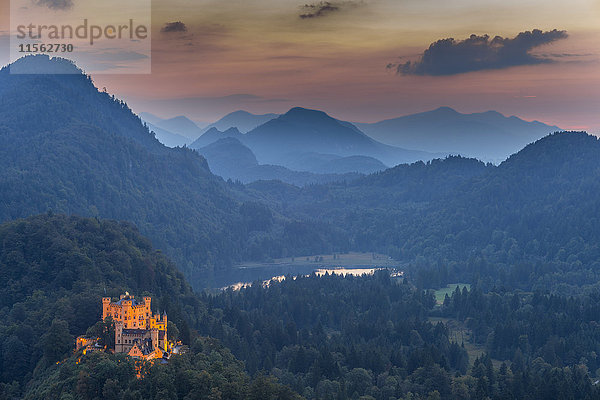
column 530, row 222
column 55, row 270
column 70, row 148
column 36, row 103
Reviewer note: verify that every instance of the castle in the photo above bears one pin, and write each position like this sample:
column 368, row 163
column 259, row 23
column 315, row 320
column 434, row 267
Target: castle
column 138, row 332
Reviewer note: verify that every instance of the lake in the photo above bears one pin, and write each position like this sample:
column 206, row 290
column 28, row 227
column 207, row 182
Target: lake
column 350, row 263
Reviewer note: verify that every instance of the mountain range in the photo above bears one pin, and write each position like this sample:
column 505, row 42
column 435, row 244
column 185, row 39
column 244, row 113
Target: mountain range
column 301, row 131
column 488, row 136
column 222, row 149
column 312, row 141
column 230, row 159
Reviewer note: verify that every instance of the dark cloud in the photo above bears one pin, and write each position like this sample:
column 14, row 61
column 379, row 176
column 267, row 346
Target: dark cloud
column 320, row 9
column 55, row 4
column 174, row 27
column 450, row 57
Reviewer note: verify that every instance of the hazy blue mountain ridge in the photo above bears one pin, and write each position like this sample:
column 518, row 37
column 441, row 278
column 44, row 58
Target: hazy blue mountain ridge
column 230, row 159
column 489, row 136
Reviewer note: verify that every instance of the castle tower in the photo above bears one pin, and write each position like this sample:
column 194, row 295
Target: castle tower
column 164, row 333
column 119, row 337
column 127, row 313
column 105, row 307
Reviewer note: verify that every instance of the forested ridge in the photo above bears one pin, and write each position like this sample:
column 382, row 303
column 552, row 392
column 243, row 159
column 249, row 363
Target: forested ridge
column 328, row 337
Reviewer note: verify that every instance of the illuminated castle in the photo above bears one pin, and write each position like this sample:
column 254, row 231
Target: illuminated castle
column 138, row 332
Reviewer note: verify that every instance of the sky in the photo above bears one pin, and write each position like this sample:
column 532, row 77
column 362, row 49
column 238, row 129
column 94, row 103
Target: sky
column 366, row 60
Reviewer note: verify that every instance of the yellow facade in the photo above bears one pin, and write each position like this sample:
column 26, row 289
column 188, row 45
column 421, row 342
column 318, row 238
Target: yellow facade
column 133, row 314
column 138, row 332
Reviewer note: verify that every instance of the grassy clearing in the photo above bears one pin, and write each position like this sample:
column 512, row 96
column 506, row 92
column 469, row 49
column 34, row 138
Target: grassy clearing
column 441, row 294
column 460, row 334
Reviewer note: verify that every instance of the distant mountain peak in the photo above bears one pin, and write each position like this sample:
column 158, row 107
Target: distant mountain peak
column 182, row 119
column 238, row 113
column 305, row 112
column 212, row 131
column 226, row 141
column 213, row 135
column 232, row 131
column 228, row 132
column 446, row 110
column 494, row 113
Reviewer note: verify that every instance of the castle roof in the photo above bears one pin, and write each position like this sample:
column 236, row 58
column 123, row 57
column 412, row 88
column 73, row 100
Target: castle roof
column 145, row 346
column 134, row 302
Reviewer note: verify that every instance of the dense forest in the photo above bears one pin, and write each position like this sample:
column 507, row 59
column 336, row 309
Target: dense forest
column 206, row 371
column 336, row 336
column 343, row 338
column 523, row 327
column 56, row 270
column 529, row 223
column 330, row 337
